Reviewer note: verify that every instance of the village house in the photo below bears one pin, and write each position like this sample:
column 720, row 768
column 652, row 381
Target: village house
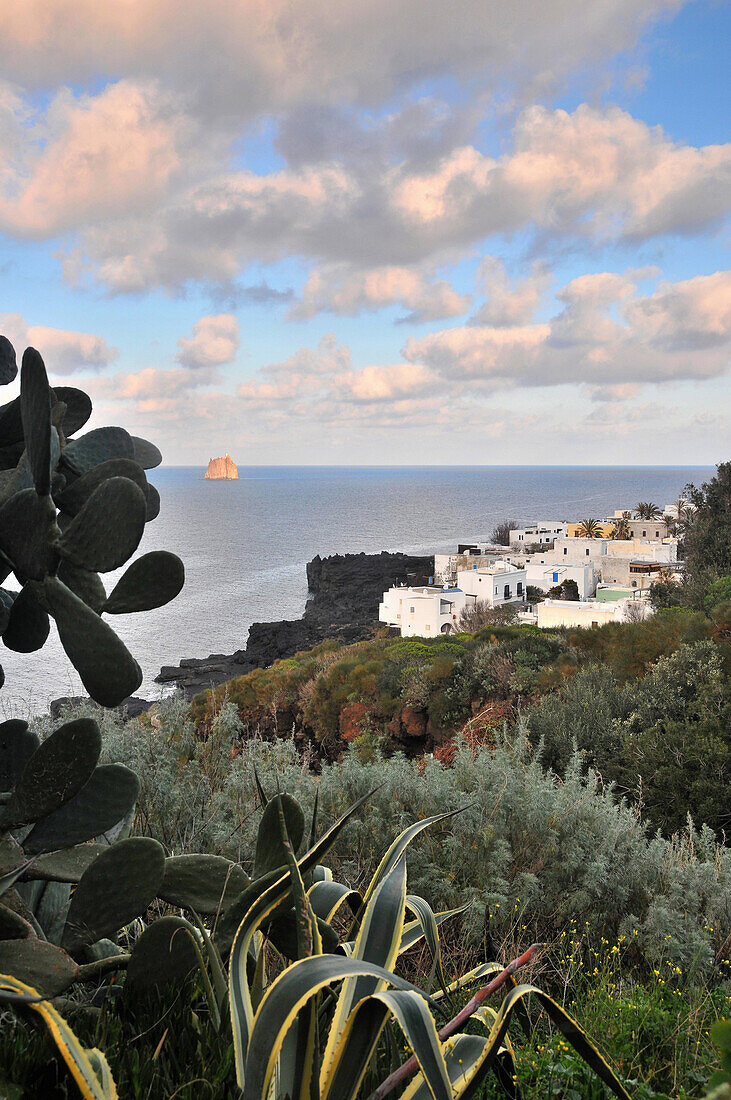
column 538, row 534
column 545, row 575
column 423, row 611
column 557, row 613
column 497, row 584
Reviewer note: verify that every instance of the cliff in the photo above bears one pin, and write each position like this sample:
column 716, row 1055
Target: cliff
column 222, row 469
column 345, row 591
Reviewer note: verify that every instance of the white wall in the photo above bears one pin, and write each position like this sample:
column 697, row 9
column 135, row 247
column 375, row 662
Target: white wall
column 545, row 531
column 554, row 613
column 544, row 575
column 421, row 612
column 490, row 584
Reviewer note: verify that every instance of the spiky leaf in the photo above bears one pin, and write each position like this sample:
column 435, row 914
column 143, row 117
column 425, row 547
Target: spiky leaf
column 28, row 624
column 40, row 964
column 8, row 364
column 205, row 883
column 56, row 771
column 163, row 955
column 74, row 496
column 109, row 795
column 146, row 453
column 116, row 888
column 107, row 669
column 27, row 530
column 151, row 581
column 83, row 583
column 35, row 406
column 270, row 851
column 17, row 745
column 107, row 530
column 67, row 865
column 78, row 408
column 98, row 446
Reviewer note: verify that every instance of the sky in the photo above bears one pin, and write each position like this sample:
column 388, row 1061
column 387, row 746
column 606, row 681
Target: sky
column 375, row 231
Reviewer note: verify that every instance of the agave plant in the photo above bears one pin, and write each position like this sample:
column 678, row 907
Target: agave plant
column 71, row 507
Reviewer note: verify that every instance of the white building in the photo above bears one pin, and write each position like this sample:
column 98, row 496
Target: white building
column 555, row 613
column 546, row 575
column 427, row 610
column 580, row 549
column 497, row 584
column 422, row 612
column 544, row 532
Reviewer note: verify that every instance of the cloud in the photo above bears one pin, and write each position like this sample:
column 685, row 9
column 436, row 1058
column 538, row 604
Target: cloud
column 215, row 341
column 92, row 157
column 605, row 335
column 339, row 289
column 246, row 58
column 599, row 176
column 509, row 303
column 64, row 352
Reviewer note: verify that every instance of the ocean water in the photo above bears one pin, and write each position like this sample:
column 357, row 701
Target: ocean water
column 245, row 544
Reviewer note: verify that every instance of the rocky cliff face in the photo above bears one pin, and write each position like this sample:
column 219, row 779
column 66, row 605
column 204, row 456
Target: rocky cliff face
column 222, row 469
column 345, row 591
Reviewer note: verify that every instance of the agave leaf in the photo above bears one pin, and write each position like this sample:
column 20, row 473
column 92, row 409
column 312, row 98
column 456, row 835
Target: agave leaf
column 146, row 453
column 109, row 795
column 17, row 745
column 97, row 446
column 35, row 407
column 8, row 364
column 27, row 530
column 151, row 581
column 89, row 1068
column 326, row 897
column 28, row 623
column 377, row 942
column 56, row 771
column 41, row 964
column 303, row 980
column 107, row 530
column 73, row 498
column 107, row 669
column 260, row 908
column 415, row 931
column 117, row 887
column 399, row 846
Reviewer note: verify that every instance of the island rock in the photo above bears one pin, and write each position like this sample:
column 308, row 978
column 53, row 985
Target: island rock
column 222, row 469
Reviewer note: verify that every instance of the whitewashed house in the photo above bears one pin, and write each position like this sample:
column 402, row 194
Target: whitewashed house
column 422, row 612
column 555, row 613
column 500, row 583
column 545, row 532
column 540, row 573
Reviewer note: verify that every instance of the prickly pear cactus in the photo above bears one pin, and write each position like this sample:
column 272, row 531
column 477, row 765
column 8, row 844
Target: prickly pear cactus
column 72, row 507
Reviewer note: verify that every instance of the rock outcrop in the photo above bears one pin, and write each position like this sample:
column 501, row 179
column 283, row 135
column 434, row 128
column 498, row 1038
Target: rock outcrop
column 222, row 469
column 345, row 591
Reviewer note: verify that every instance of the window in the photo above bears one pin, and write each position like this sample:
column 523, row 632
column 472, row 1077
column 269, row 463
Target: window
column 496, row 591
column 644, row 534
column 506, row 592
column 555, row 577
column 657, row 534
column 411, row 609
column 565, row 550
column 587, row 551
column 519, row 590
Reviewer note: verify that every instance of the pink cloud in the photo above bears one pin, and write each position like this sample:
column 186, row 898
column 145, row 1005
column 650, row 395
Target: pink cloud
column 65, row 352
column 215, row 341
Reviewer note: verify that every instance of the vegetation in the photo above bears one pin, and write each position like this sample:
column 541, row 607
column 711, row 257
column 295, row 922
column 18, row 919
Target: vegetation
column 173, row 926
column 501, row 532
column 591, row 528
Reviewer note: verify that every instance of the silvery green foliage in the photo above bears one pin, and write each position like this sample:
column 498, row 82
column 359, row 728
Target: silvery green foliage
column 530, row 849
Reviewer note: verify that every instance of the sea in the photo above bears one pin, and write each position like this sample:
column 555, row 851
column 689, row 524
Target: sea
column 245, row 544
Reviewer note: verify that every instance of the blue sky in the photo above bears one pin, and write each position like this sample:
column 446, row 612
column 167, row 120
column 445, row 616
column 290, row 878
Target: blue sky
column 401, row 231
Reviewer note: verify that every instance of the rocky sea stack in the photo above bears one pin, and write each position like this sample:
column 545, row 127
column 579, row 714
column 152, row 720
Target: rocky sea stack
column 222, row 469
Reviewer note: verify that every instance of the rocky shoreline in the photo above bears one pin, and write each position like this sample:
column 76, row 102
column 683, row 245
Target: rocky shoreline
column 345, row 591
